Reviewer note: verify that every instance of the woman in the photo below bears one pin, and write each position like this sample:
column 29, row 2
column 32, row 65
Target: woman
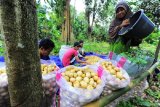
column 123, row 13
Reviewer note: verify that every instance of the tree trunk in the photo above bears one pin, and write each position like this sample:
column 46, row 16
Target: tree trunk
column 66, row 27
column 88, row 12
column 18, row 24
column 157, row 52
column 94, row 13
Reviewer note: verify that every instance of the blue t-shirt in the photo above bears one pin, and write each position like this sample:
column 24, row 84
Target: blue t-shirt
column 45, row 57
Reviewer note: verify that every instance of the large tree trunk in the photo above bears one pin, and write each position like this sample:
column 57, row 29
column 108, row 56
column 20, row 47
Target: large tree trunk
column 88, row 12
column 18, row 23
column 66, row 27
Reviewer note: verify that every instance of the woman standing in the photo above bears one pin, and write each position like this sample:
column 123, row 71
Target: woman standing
column 123, row 13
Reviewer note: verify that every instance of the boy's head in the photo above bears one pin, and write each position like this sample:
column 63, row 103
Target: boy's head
column 81, row 43
column 46, row 46
column 77, row 45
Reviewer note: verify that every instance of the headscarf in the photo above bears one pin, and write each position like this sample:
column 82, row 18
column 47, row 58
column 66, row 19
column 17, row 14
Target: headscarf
column 112, row 29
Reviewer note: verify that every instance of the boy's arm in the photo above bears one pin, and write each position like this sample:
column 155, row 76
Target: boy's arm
column 78, row 60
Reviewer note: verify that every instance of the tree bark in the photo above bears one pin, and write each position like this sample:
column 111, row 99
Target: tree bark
column 18, row 24
column 157, row 52
column 66, row 27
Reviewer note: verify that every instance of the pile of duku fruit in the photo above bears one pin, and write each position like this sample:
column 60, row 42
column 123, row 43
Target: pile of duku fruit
column 48, row 83
column 79, row 85
column 92, row 59
column 48, row 68
column 81, row 78
column 116, row 78
column 2, row 70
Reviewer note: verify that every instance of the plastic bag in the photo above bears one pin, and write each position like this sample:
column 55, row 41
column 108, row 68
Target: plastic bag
column 63, row 49
column 76, row 97
column 50, row 89
column 131, row 68
column 115, row 79
column 4, row 94
column 48, row 66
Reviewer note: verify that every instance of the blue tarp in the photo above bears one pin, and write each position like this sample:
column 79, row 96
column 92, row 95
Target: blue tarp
column 57, row 60
column 1, row 59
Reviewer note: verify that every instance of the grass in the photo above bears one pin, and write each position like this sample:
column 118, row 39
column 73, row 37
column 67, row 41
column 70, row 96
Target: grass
column 97, row 47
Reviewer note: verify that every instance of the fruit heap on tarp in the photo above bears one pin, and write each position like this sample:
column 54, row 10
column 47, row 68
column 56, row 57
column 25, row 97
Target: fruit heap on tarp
column 84, row 78
column 92, row 59
column 115, row 71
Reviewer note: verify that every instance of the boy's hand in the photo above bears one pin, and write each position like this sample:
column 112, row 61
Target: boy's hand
column 87, row 63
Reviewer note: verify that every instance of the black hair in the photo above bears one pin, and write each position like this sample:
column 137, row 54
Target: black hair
column 76, row 44
column 46, row 44
column 81, row 41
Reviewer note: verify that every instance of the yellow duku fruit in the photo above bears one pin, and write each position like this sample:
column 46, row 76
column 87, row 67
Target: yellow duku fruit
column 70, row 74
column 67, row 78
column 75, row 75
column 83, row 84
column 95, row 78
column 113, row 72
column 88, row 74
column 76, row 84
column 91, row 82
column 119, row 75
column 2, row 71
column 98, row 81
column 72, row 80
column 79, row 73
column 86, row 79
column 78, row 78
column 83, row 75
column 90, row 87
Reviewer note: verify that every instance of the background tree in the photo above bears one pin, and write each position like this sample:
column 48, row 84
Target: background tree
column 62, row 9
column 152, row 10
column 18, row 23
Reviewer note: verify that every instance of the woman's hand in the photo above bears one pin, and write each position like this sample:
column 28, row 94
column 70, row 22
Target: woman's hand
column 125, row 23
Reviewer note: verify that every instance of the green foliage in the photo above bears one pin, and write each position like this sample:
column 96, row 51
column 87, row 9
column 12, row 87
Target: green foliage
column 97, row 47
column 80, row 27
column 137, row 102
column 57, row 47
column 138, row 56
column 158, row 76
column 152, row 10
column 49, row 24
column 153, row 37
column 118, row 47
column 99, row 33
column 153, row 93
column 1, row 48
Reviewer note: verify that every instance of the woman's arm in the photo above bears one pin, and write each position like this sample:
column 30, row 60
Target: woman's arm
column 113, row 30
